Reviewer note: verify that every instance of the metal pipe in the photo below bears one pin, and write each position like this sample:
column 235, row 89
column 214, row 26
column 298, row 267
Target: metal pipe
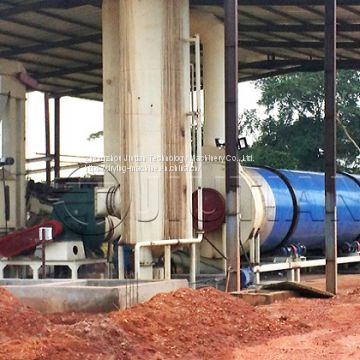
column 192, row 112
column 57, row 137
column 193, row 268
column 43, row 260
column 65, row 167
column 164, row 243
column 73, row 156
column 6, row 203
column 198, row 133
column 39, row 159
column 121, row 272
column 197, row 116
column 223, row 241
column 257, row 248
column 231, row 138
column 302, row 264
column 47, row 139
column 167, row 262
column 330, row 147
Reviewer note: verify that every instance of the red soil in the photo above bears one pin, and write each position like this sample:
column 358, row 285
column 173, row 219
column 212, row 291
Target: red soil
column 187, row 324
column 17, row 320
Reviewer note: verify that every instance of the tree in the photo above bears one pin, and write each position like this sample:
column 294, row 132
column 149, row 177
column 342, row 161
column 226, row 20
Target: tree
column 291, row 133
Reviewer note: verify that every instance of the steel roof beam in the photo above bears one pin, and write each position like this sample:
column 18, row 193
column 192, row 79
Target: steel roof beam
column 295, row 44
column 68, row 71
column 46, row 4
column 273, row 2
column 51, row 45
column 278, row 36
column 312, row 10
column 312, row 66
column 276, row 73
column 79, row 91
column 286, row 28
column 71, row 80
column 316, row 64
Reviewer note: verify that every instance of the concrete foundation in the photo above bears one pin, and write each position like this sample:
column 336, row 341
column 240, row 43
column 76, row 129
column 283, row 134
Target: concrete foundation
column 50, row 296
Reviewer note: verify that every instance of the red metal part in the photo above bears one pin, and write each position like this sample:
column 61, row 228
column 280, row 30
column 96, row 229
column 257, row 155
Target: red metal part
column 26, row 239
column 213, row 209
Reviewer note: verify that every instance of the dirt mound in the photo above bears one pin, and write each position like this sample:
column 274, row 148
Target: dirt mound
column 191, row 324
column 187, row 324
column 197, row 324
column 71, row 337
column 18, row 320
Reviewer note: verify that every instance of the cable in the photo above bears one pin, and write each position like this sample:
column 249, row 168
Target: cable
column 223, row 256
column 212, row 245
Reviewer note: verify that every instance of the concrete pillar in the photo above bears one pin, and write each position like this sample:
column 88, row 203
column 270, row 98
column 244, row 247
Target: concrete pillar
column 146, row 99
column 12, row 116
column 211, row 31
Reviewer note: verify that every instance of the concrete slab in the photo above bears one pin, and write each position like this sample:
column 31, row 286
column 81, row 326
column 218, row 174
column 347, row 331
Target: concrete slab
column 304, row 290
column 263, row 297
column 88, row 295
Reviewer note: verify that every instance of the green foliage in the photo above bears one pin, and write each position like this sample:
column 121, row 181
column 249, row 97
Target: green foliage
column 291, row 133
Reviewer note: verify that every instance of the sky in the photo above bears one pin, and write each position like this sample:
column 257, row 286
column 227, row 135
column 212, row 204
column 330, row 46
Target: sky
column 80, row 118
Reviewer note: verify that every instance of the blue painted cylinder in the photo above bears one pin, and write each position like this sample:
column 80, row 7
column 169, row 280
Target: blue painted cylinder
column 296, row 208
column 309, row 188
column 357, row 177
column 279, row 210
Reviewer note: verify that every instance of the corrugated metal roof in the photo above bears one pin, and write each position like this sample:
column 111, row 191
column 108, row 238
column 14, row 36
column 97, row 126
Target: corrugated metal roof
column 59, row 41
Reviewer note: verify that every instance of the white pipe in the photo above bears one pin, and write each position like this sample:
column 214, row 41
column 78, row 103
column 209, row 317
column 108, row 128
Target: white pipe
column 223, row 239
column 164, row 243
column 121, row 272
column 193, row 268
column 198, row 116
column 192, row 112
column 167, row 262
column 198, row 133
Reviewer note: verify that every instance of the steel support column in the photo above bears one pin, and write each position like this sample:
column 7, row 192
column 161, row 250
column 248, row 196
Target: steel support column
column 330, row 147
column 47, row 138
column 57, row 137
column 231, row 138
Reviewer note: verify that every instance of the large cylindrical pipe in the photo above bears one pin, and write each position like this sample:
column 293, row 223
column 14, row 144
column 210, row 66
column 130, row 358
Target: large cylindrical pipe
column 252, row 205
column 287, row 207
column 294, row 204
column 309, row 190
column 211, row 31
